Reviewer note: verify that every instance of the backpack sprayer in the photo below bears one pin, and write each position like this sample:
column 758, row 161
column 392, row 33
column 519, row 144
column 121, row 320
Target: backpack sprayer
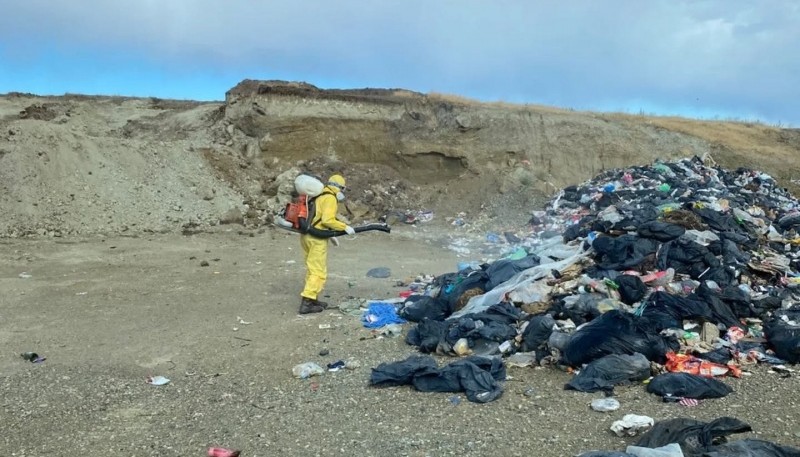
column 298, row 215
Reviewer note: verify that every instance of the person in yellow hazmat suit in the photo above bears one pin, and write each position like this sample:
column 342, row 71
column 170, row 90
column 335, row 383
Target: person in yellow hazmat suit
column 316, row 249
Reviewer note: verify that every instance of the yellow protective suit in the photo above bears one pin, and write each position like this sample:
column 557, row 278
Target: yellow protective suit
column 316, row 249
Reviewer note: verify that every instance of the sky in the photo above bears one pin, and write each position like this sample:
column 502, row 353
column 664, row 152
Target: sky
column 712, row 59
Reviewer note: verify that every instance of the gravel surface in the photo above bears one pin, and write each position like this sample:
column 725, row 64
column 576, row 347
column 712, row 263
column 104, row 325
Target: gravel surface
column 107, row 313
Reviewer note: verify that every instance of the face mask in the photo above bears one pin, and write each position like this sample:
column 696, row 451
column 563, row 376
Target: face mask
column 339, row 196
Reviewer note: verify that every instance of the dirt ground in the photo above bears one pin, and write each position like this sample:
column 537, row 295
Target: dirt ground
column 108, row 312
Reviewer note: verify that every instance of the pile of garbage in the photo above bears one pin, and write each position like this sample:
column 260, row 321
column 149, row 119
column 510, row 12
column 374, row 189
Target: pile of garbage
column 681, row 270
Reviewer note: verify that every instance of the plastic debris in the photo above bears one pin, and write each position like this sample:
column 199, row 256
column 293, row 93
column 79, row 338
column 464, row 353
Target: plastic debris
column 380, row 315
column 157, row 380
column 336, row 366
column 33, row 357
column 222, row 452
column 670, row 450
column 604, row 405
column 307, row 370
column 631, row 425
column 521, row 359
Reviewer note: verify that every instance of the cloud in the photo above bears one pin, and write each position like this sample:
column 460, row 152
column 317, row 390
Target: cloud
column 734, row 57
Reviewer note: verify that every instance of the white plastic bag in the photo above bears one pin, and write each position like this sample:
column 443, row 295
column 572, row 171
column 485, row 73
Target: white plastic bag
column 307, row 370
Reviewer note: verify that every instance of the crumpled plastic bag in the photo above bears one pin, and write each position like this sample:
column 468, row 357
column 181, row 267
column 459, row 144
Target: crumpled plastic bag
column 609, row 371
column 537, row 332
column 685, row 363
column 687, row 385
column 752, row 448
column 615, row 332
column 693, row 436
column 783, row 336
column 631, row 425
column 476, row 376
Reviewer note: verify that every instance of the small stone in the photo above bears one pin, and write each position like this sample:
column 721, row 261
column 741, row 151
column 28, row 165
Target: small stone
column 204, row 263
column 379, row 272
column 232, row 216
column 529, row 392
column 324, row 351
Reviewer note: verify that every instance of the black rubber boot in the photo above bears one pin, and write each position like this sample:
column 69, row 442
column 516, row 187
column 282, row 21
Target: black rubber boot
column 323, row 304
column 308, row 306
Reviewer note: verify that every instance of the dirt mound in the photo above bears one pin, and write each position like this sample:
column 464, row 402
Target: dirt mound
column 83, row 164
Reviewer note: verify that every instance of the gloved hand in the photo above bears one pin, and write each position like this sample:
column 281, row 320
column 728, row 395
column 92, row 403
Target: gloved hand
column 349, row 230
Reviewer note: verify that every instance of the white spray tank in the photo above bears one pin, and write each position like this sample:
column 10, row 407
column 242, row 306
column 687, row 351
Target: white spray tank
column 308, row 185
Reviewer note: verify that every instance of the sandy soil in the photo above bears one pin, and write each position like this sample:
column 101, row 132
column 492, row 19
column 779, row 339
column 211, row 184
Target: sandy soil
column 108, row 312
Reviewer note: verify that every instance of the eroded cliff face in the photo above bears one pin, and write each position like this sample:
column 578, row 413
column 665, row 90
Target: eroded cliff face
column 79, row 165
column 429, row 139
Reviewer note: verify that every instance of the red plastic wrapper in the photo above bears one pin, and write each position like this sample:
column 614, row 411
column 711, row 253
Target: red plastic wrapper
column 689, row 364
column 222, row 452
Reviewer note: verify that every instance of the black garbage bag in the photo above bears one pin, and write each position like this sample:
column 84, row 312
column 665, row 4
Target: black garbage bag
column 609, row 371
column 537, row 332
column 783, row 337
column 722, row 275
column 631, row 289
column 721, row 312
column 401, row 373
column 686, row 257
column 765, row 304
column 688, row 386
column 738, row 301
column 476, row 376
column 623, row 252
column 582, row 310
column 427, row 335
column 616, row 332
column 504, row 312
column 751, row 448
column 660, row 231
column 693, row 436
column 466, row 280
column 598, row 273
column 418, row 308
column 721, row 356
column 493, row 331
column 504, row 269
column 575, row 231
column 731, row 255
column 665, row 310
column 719, row 222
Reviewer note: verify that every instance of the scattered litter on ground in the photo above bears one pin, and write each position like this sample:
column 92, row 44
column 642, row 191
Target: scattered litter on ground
column 605, row 405
column 222, row 452
column 391, row 330
column 307, row 370
column 352, row 306
column 25, row 275
column 680, row 270
column 476, row 376
column 631, row 425
column 33, row 357
column 157, row 380
column 380, row 314
column 336, row 366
